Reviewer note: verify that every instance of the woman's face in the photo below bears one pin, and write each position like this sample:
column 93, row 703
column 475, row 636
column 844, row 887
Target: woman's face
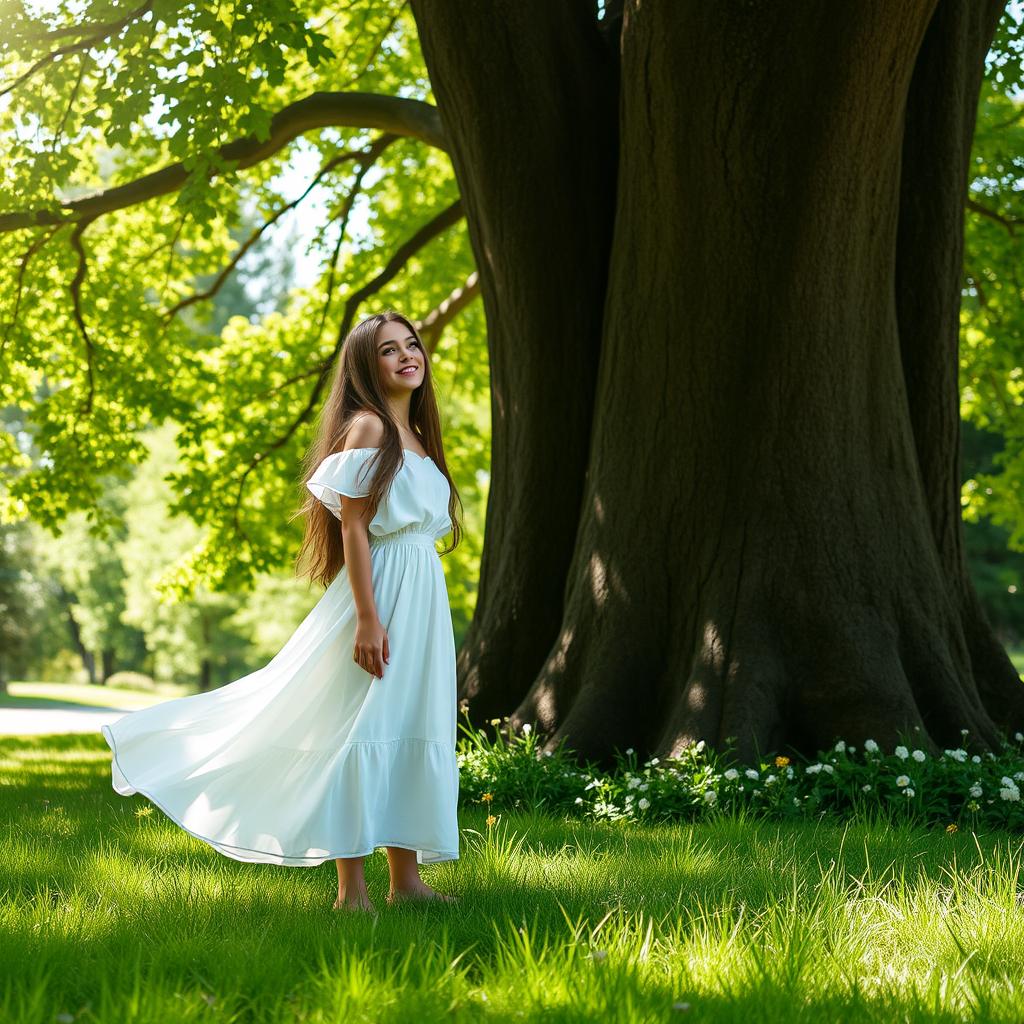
column 400, row 357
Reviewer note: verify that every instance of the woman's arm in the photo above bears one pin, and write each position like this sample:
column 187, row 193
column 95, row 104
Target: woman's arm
column 371, row 650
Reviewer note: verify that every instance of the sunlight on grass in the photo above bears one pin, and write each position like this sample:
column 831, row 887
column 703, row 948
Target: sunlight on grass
column 42, row 695
column 110, row 911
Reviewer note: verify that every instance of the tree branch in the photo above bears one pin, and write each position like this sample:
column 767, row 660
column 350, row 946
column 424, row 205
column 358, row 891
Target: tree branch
column 346, row 212
column 37, row 243
column 1007, row 222
column 406, row 117
column 76, row 299
column 257, row 234
column 431, row 326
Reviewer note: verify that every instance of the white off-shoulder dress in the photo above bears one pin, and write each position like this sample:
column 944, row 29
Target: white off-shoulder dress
column 311, row 757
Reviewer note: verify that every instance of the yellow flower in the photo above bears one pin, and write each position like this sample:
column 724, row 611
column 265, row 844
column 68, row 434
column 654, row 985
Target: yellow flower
column 143, row 812
column 951, row 828
column 487, row 797
column 781, row 762
column 495, row 721
column 491, row 819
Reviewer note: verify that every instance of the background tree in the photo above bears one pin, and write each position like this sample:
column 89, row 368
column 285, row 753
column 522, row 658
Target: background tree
column 15, row 603
column 88, row 576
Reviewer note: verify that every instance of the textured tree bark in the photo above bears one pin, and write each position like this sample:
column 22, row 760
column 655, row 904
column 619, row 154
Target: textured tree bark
column 527, row 96
column 766, row 541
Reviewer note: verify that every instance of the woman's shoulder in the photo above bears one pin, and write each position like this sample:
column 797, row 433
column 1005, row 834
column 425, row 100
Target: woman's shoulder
column 366, row 430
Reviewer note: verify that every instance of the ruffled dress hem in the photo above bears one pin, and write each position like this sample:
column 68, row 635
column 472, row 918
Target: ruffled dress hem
column 124, row 787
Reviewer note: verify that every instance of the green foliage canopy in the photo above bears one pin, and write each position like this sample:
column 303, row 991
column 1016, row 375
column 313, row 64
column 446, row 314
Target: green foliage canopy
column 100, row 311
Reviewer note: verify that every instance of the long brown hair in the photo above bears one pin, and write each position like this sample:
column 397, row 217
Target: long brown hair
column 357, row 388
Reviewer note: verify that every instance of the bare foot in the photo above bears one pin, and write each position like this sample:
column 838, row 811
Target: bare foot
column 361, row 903
column 418, row 893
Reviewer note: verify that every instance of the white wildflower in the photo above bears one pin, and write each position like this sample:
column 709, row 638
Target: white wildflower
column 699, row 746
column 653, row 760
column 1019, row 737
column 902, row 753
column 828, row 768
column 629, row 750
column 591, row 784
column 903, row 780
column 710, row 796
column 870, row 747
column 731, row 773
column 643, row 803
column 751, row 773
column 579, row 799
column 976, row 759
column 908, row 792
column 813, row 769
column 1012, row 795
column 840, row 747
column 918, row 755
column 643, row 785
column 1019, row 776
column 975, row 790
column 866, row 788
column 768, row 781
column 957, row 755
column 633, row 783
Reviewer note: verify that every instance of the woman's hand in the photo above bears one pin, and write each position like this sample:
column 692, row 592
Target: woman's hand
column 371, row 648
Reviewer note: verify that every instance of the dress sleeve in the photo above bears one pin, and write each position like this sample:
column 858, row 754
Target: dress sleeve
column 345, row 473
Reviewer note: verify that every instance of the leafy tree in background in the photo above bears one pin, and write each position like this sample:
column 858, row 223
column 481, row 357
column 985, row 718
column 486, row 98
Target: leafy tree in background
column 186, row 639
column 722, row 323
column 998, row 573
column 992, row 315
column 108, row 292
column 15, row 603
column 87, row 575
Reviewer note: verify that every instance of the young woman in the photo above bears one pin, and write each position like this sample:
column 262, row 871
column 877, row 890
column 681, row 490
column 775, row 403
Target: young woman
column 345, row 740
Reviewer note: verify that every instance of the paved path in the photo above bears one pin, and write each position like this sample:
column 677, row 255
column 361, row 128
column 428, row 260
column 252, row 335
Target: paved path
column 34, row 721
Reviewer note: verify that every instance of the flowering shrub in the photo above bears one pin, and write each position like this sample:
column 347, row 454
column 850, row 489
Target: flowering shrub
column 954, row 786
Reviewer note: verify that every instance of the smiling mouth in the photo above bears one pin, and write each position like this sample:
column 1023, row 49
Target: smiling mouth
column 408, row 371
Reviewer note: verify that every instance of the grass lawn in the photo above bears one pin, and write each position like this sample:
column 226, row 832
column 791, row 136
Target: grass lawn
column 112, row 913
column 76, row 695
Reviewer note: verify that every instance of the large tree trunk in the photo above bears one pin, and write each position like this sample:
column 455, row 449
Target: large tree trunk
column 527, row 94
column 765, row 548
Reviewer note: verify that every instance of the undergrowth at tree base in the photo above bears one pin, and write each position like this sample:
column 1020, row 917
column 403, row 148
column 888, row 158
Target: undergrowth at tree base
column 505, row 769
